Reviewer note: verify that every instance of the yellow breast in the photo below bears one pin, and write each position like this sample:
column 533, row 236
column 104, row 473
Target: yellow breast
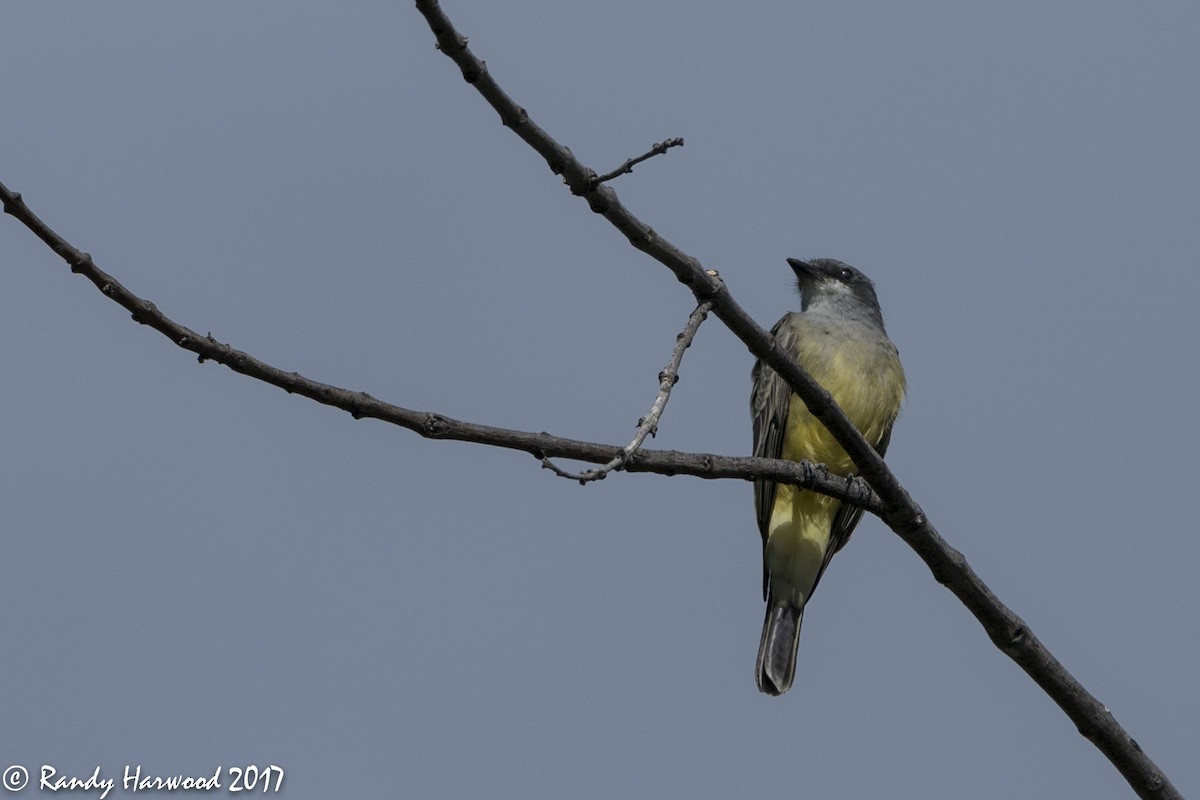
column 866, row 381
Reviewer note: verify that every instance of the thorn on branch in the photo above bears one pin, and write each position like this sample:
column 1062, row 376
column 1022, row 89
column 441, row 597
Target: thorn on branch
column 627, row 167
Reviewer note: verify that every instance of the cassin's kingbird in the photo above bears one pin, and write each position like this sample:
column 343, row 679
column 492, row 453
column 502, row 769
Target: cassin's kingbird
column 839, row 339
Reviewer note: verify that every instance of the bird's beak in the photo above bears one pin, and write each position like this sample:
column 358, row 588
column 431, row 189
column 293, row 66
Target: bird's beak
column 803, row 270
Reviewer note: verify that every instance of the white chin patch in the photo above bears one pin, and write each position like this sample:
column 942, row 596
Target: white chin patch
column 838, row 288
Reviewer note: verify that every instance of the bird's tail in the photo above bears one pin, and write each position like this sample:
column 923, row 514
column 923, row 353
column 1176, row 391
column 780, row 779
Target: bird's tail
column 777, row 651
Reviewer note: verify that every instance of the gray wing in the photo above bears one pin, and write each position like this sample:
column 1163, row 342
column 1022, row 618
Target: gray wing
column 769, row 401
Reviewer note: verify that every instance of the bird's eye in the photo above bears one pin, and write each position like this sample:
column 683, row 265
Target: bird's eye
column 846, row 274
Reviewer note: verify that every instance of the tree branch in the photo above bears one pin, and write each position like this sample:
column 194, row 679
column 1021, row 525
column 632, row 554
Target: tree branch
column 647, row 425
column 626, row 168
column 902, row 514
column 429, row 424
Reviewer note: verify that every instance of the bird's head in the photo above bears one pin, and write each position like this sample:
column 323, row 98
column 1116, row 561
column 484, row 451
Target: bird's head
column 829, row 285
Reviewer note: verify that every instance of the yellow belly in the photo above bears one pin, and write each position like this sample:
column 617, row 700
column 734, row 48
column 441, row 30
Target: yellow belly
column 866, row 381
column 801, row 522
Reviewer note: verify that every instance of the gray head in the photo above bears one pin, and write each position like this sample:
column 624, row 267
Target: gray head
column 828, row 286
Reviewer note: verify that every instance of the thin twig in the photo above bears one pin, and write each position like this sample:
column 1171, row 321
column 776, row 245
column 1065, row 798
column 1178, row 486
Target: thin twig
column 627, row 167
column 902, row 514
column 647, row 425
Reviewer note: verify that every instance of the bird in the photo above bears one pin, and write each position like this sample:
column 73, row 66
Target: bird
column 838, row 337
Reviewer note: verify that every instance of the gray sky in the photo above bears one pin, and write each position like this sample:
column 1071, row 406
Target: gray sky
column 200, row 570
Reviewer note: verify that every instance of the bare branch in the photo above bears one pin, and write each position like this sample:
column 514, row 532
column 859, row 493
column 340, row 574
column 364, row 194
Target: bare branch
column 627, row 167
column 902, row 514
column 603, row 200
column 647, row 425
column 429, row 424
